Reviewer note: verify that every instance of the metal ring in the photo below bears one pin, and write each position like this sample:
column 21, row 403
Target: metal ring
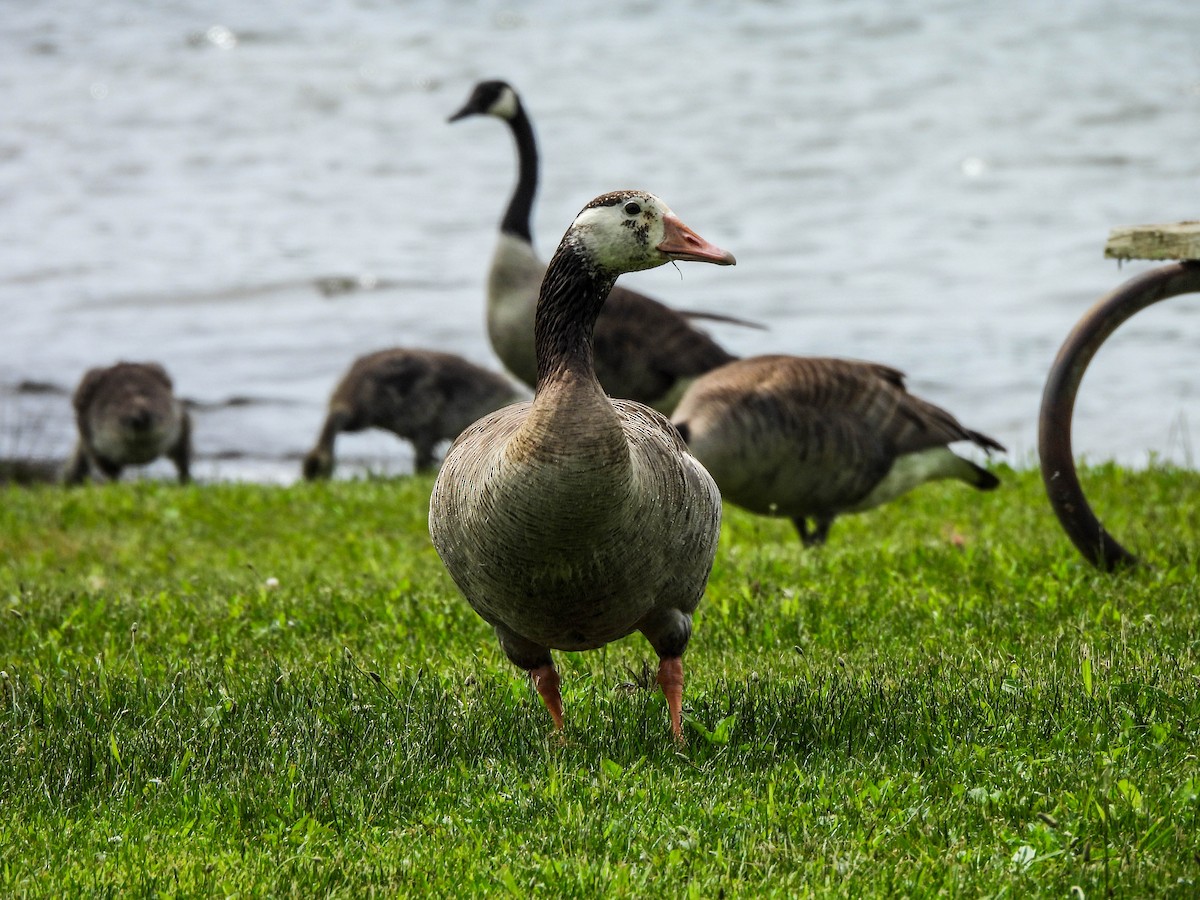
column 1058, row 403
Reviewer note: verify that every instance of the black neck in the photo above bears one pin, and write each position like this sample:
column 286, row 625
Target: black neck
column 573, row 293
column 520, row 207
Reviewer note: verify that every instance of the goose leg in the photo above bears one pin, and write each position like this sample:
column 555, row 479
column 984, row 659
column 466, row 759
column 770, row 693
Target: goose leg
column 546, row 680
column 423, row 453
column 110, row 469
column 670, row 679
column 668, row 633
column 77, row 469
column 181, row 453
column 821, row 532
column 802, row 529
column 815, row 536
column 534, row 659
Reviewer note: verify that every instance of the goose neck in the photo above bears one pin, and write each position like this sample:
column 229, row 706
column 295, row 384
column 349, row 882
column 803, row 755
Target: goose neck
column 517, row 216
column 572, row 295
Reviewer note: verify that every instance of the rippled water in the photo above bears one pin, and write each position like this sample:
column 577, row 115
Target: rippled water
column 931, row 189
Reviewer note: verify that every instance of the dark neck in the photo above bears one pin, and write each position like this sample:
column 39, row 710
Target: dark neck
column 572, row 295
column 520, row 207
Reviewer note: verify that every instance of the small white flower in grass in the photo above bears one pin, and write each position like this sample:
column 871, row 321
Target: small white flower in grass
column 1024, row 856
column 271, row 583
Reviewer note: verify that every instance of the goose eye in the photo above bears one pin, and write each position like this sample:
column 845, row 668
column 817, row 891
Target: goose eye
column 633, row 208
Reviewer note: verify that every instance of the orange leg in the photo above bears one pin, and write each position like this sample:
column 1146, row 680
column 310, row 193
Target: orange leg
column 546, row 680
column 670, row 679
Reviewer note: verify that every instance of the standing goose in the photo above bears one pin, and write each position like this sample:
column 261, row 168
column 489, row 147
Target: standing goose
column 644, row 351
column 420, row 395
column 127, row 415
column 813, row 438
column 573, row 520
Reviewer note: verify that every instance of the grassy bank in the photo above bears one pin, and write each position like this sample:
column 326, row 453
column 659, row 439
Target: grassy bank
column 233, row 689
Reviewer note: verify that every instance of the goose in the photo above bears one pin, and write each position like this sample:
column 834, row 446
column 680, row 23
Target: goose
column 127, row 415
column 573, row 520
column 644, row 350
column 423, row 396
column 812, row 438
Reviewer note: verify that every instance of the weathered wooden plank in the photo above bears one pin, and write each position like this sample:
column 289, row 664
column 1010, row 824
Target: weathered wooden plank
column 1180, row 240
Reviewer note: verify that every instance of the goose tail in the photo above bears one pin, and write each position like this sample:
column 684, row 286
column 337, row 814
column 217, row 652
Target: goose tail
column 982, row 479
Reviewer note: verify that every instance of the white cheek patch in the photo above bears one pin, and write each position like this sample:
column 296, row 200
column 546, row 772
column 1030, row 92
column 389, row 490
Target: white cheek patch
column 609, row 240
column 591, row 217
column 591, row 233
column 505, row 106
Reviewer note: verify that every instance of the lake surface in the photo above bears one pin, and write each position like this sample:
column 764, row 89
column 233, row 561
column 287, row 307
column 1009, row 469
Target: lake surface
column 929, row 188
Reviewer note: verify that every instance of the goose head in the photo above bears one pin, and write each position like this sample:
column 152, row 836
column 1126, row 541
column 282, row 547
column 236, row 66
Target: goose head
column 490, row 98
column 621, row 231
column 627, row 231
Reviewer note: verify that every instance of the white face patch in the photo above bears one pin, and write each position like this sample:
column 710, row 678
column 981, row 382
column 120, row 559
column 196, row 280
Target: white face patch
column 506, row 105
column 618, row 239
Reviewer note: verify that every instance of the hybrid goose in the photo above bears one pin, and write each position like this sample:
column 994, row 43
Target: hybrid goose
column 644, row 351
column 574, row 520
column 128, row 415
column 811, row 438
column 419, row 395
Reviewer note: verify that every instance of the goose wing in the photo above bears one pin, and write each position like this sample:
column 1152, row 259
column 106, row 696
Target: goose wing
column 808, row 435
column 643, row 348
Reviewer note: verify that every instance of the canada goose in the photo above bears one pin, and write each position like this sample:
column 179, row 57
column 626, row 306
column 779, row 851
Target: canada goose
column 644, row 350
column 128, row 415
column 421, row 395
column 813, row 438
column 572, row 520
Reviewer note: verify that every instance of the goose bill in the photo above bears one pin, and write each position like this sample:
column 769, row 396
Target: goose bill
column 680, row 242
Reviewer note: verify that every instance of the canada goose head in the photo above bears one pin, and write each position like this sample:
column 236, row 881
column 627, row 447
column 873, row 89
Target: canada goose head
column 627, row 231
column 490, row 98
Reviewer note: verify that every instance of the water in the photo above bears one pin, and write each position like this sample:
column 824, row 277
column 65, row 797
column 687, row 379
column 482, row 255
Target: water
column 928, row 188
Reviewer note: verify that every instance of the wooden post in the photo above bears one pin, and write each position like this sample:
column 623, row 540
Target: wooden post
column 1179, row 241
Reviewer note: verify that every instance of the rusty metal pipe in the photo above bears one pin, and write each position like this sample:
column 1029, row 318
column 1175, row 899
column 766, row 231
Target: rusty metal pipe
column 1058, row 403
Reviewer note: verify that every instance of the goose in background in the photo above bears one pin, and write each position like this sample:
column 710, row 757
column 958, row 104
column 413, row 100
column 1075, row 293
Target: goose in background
column 644, row 350
column 812, row 438
column 573, row 520
column 419, row 395
column 128, row 415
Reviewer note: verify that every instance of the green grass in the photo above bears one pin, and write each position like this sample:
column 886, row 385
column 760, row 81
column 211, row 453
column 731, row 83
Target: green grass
column 251, row 690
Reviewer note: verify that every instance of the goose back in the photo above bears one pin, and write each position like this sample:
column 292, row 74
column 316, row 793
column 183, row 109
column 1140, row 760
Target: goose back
column 423, row 396
column 649, row 352
column 807, row 436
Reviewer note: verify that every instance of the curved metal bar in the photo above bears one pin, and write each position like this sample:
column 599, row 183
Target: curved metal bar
column 1058, row 403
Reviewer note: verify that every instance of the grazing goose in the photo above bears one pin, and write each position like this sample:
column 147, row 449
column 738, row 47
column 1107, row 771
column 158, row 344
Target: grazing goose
column 644, row 351
column 128, row 415
column 573, row 520
column 812, row 438
column 420, row 395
